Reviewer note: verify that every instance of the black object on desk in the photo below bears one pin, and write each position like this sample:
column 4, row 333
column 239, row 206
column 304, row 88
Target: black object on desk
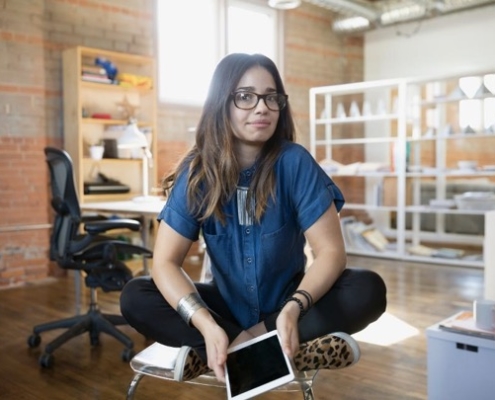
column 105, row 185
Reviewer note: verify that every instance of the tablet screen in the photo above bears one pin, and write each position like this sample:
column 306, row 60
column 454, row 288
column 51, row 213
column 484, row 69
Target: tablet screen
column 257, row 366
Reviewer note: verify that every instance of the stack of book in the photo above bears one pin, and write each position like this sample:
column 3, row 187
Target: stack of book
column 463, row 322
column 361, row 236
column 93, row 73
column 444, row 252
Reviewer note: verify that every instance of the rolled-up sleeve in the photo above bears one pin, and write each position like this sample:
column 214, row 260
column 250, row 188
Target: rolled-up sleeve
column 176, row 212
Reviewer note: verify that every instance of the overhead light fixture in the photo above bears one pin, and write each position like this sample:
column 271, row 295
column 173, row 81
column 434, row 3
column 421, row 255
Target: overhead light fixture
column 352, row 24
column 350, row 7
column 284, row 4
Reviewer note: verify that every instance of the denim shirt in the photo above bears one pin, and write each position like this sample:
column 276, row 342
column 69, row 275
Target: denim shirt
column 256, row 266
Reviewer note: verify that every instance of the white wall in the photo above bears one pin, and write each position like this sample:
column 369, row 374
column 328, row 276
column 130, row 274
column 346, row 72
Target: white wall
column 450, row 44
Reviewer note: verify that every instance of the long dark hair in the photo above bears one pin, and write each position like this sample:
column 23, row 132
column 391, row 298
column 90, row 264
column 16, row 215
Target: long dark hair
column 212, row 163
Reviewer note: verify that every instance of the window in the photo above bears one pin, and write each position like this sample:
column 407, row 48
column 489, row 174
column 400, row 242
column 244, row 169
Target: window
column 251, row 29
column 193, row 35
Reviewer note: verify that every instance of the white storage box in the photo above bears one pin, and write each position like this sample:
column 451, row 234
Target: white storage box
column 460, row 367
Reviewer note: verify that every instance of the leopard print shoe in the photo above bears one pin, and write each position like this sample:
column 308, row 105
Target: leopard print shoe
column 333, row 351
column 188, row 365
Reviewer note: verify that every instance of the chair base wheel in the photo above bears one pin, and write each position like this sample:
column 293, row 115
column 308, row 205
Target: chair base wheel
column 46, row 360
column 127, row 355
column 34, row 340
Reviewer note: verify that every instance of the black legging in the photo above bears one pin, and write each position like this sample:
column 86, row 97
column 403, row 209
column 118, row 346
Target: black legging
column 356, row 299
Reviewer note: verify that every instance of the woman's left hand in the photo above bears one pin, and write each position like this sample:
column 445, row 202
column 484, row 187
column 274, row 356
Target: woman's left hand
column 287, row 328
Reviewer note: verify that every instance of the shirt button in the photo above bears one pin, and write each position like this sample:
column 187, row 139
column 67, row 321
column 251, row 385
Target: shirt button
column 249, row 260
column 248, row 173
column 248, row 231
column 250, row 288
column 255, row 311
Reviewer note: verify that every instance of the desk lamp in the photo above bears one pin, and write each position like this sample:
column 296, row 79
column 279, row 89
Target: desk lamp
column 133, row 138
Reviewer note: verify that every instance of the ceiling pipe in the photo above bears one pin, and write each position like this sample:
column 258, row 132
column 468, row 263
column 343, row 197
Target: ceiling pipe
column 395, row 12
column 349, row 7
column 361, row 15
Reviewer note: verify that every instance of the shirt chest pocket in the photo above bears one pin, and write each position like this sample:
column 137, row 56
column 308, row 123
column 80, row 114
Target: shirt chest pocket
column 277, row 248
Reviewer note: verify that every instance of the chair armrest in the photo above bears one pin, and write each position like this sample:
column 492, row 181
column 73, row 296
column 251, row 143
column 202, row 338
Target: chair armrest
column 108, row 250
column 128, row 248
column 96, row 227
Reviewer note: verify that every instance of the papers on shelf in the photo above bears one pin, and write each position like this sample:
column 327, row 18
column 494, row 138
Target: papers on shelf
column 330, row 166
column 360, row 236
column 444, row 252
column 375, row 238
column 421, row 250
column 97, row 79
column 442, row 203
column 463, row 322
column 448, row 253
column 334, row 167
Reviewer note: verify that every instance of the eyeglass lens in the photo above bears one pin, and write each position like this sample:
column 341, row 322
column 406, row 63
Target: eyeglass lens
column 249, row 100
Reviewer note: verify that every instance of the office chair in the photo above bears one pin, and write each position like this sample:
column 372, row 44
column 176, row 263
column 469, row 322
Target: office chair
column 91, row 253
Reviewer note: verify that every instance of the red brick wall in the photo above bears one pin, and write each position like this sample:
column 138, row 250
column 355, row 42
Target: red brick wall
column 33, row 34
column 315, row 56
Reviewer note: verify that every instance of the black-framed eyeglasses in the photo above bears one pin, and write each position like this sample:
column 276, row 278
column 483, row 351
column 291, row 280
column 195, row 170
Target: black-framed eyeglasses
column 249, row 100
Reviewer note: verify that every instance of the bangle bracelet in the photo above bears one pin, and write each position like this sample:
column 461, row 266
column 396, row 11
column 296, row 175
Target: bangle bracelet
column 302, row 311
column 188, row 305
column 308, row 297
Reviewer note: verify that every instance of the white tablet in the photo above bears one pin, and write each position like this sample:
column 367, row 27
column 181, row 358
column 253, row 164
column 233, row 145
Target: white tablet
column 256, row 366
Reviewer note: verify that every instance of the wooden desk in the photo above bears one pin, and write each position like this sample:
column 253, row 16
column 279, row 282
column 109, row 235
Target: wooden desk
column 149, row 208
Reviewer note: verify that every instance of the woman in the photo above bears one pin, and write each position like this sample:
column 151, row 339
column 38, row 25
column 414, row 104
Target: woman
column 256, row 197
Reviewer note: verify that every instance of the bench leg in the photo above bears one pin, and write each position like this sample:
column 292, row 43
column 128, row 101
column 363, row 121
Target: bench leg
column 307, row 390
column 133, row 386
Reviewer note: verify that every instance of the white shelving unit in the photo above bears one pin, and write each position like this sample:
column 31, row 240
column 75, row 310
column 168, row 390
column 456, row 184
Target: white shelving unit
column 382, row 131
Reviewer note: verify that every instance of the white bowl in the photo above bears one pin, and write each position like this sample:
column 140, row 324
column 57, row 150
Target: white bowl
column 483, row 201
column 467, row 164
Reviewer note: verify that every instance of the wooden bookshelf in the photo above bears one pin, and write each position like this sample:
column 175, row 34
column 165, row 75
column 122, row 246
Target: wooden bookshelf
column 83, row 99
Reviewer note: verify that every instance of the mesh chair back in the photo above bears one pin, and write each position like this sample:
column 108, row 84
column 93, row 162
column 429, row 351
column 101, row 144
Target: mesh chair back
column 65, row 203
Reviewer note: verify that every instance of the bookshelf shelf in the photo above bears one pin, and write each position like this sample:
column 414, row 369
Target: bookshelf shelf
column 354, row 120
column 113, row 87
column 105, row 121
column 355, row 206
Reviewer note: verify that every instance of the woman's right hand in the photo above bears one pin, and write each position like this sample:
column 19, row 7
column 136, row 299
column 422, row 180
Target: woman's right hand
column 216, row 341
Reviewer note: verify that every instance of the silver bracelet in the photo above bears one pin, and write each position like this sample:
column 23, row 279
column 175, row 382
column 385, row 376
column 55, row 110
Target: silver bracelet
column 188, row 305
